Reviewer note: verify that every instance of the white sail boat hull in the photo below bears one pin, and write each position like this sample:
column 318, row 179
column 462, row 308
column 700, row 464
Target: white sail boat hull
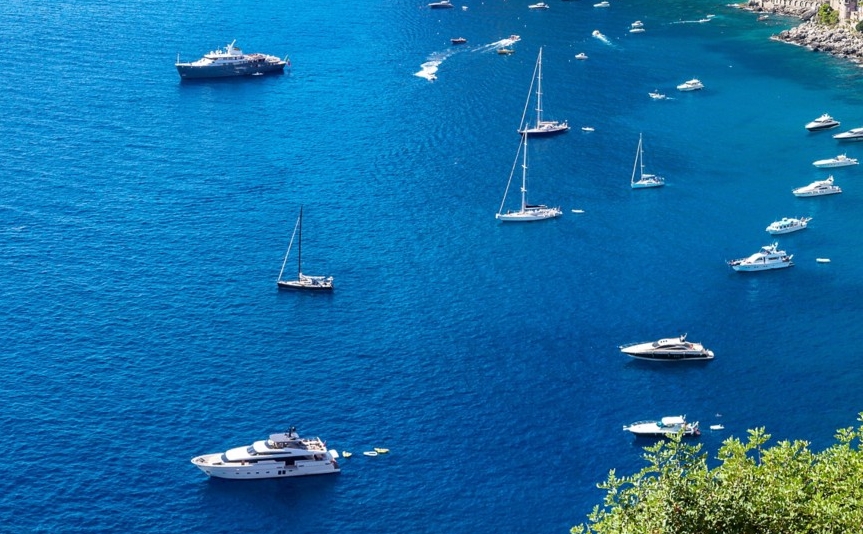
column 530, row 213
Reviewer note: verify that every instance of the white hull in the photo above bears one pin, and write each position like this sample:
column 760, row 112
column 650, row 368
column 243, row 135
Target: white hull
column 212, row 465
column 832, row 163
column 786, row 225
column 530, row 214
column 646, row 183
column 817, row 193
column 787, row 230
column 664, row 427
column 746, row 267
column 667, row 349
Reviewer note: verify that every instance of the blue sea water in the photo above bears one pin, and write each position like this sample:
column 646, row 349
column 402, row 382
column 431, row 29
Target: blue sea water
column 144, row 221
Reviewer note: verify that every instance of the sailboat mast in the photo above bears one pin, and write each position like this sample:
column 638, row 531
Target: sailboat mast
column 637, row 158
column 300, row 246
column 288, row 253
column 539, row 89
column 524, row 175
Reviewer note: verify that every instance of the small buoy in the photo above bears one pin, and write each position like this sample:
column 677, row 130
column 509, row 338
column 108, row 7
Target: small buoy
column 347, row 454
column 370, row 453
column 716, row 427
column 822, row 260
column 381, row 451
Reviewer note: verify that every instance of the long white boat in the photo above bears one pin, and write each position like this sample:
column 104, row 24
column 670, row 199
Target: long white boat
column 841, row 160
column 769, row 257
column 817, row 188
column 668, row 349
column 230, row 62
column 854, row 134
column 824, row 122
column 691, row 85
column 664, row 427
column 786, row 225
column 283, row 455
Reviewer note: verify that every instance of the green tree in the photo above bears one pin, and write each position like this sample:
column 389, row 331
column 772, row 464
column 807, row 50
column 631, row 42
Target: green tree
column 783, row 489
column 827, row 15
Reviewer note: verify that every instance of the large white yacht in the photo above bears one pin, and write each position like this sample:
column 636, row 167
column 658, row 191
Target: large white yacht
column 854, row 134
column 691, row 85
column 824, row 122
column 769, row 257
column 668, row 349
column 841, row 160
column 230, row 62
column 666, row 426
column 817, row 188
column 283, row 455
column 786, row 225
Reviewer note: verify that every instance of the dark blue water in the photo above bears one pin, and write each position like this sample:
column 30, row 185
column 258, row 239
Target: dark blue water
column 144, row 221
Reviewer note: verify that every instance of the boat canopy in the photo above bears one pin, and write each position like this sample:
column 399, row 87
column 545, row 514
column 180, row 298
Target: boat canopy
column 673, row 420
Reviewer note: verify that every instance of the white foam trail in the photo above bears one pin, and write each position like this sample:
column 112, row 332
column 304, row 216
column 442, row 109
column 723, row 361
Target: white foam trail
column 508, row 41
column 601, row 37
column 699, row 21
column 428, row 70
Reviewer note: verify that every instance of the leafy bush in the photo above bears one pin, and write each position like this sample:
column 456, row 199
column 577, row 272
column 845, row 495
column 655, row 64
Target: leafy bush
column 755, row 489
column 827, row 15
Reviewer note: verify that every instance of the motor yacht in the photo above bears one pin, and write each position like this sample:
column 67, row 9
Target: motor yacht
column 664, row 427
column 817, row 188
column 824, row 122
column 769, row 257
column 854, row 134
column 691, row 85
column 230, row 62
column 841, row 160
column 786, row 225
column 538, row 5
column 282, row 455
column 668, row 349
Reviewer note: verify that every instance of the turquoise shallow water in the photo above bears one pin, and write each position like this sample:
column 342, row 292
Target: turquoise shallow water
column 144, row 221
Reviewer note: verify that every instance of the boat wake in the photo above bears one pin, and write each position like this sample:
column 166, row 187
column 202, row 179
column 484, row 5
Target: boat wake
column 599, row 35
column 503, row 43
column 428, row 70
column 699, row 21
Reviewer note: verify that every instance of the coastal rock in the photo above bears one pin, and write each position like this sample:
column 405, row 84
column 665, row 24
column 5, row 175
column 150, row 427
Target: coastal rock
column 841, row 40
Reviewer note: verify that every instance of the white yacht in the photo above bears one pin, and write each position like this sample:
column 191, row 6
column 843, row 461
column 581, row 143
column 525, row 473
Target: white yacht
column 283, row 455
column 538, row 5
column 637, row 24
column 602, row 4
column 668, row 349
column 841, row 160
column 769, row 257
column 443, row 4
column 817, row 188
column 691, row 85
column 786, row 225
column 581, row 55
column 229, row 62
column 854, row 134
column 666, row 426
column 824, row 122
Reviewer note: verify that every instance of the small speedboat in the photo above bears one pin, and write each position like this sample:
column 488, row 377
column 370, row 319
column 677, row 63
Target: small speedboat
column 786, row 225
column 822, row 260
column 443, row 4
column 656, row 95
column 538, row 5
column 505, row 51
column 664, row 427
column 581, row 55
column 602, row 4
column 458, row 40
column 824, row 122
column 817, row 188
column 671, row 349
column 854, row 134
column 381, row 450
column 839, row 161
column 637, row 24
column 587, row 129
column 691, row 85
column 370, row 453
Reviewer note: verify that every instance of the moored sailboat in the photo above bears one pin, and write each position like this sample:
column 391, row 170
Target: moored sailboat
column 541, row 127
column 303, row 281
column 527, row 212
column 644, row 179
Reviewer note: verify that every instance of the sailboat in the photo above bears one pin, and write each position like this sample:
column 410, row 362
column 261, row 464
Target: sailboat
column 644, row 180
column 303, row 281
column 528, row 212
column 542, row 127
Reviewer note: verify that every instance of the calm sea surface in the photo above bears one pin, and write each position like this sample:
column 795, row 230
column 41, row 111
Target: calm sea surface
column 144, row 220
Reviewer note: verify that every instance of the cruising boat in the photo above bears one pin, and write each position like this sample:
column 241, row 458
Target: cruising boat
column 542, row 127
column 664, row 427
column 282, row 455
column 229, row 62
column 691, row 85
column 854, row 134
column 668, row 349
column 769, row 257
column 644, row 179
column 841, row 160
column 303, row 281
column 539, row 5
column 527, row 212
column 581, row 55
column 443, row 4
column 817, row 188
column 458, row 40
column 786, row 225
column 824, row 122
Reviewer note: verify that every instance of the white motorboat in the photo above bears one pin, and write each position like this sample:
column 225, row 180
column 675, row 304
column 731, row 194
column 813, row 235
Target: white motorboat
column 541, row 127
column 691, row 85
column 230, row 62
column 538, row 5
column 656, row 95
column 304, row 281
column 637, row 24
column 636, row 30
column 854, row 134
column 602, row 4
column 841, row 160
column 644, row 179
column 664, row 427
column 581, row 55
column 282, row 455
column 786, row 225
column 443, row 4
column 824, row 122
column 769, row 257
column 668, row 349
column 817, row 188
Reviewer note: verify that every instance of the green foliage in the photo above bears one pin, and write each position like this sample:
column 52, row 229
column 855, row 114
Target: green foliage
column 859, row 26
column 783, row 489
column 827, row 15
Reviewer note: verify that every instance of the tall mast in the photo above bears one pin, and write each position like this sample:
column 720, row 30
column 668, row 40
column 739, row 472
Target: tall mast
column 300, row 246
column 539, row 89
column 524, row 175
